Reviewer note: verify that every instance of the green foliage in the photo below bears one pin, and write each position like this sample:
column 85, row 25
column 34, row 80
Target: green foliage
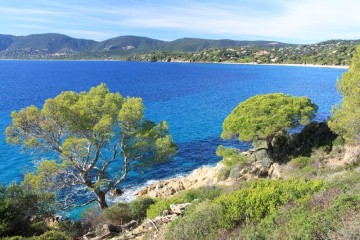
column 92, row 132
column 200, row 222
column 262, row 198
column 301, row 162
column 344, row 120
column 158, row 208
column 331, row 214
column 252, row 203
column 118, row 214
column 73, row 229
column 231, row 156
column 265, row 116
column 233, row 161
column 224, row 173
column 53, row 235
column 122, row 213
column 46, row 175
column 200, row 194
column 139, row 206
column 20, row 208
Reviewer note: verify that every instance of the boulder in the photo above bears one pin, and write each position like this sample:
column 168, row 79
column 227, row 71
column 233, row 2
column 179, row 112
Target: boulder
column 117, row 192
column 128, row 225
column 260, row 168
column 179, row 208
column 275, row 171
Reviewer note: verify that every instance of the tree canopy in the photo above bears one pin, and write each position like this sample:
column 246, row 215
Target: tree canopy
column 99, row 137
column 263, row 117
column 345, row 120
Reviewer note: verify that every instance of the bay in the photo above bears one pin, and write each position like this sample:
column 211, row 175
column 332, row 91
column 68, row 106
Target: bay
column 193, row 98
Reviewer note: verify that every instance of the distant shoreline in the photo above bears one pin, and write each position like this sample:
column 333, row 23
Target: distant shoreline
column 230, row 63
column 292, row 65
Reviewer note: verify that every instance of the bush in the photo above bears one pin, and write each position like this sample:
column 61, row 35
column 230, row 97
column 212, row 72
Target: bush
column 223, row 174
column 327, row 219
column 139, row 206
column 231, row 156
column 200, row 222
column 53, row 235
column 92, row 217
column 118, row 214
column 73, row 229
column 262, row 198
column 300, row 162
column 235, row 171
column 20, row 208
column 190, row 195
column 122, row 213
column 157, row 208
column 250, row 204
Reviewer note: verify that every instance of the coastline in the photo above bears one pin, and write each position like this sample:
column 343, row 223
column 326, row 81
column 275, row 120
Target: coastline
column 229, row 63
column 289, row 65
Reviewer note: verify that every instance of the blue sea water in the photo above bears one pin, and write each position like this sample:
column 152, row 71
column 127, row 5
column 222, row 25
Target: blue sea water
column 193, row 98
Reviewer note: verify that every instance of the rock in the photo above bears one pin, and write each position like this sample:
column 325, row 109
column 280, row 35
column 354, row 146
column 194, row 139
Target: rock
column 128, row 225
column 260, row 168
column 274, row 171
column 107, row 230
column 179, row 208
column 153, row 194
column 89, row 236
column 165, row 212
column 117, row 192
column 205, row 176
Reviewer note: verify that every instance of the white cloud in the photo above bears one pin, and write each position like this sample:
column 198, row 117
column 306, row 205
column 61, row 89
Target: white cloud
column 302, row 20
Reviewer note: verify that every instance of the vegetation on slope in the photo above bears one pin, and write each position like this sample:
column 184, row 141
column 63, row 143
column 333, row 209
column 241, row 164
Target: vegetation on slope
column 133, row 48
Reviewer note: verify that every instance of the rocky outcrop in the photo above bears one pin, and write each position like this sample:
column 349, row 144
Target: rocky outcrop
column 275, row 171
column 149, row 227
column 205, row 176
column 347, row 155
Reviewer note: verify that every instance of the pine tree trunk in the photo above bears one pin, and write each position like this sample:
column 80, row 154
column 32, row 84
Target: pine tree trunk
column 101, row 198
column 270, row 147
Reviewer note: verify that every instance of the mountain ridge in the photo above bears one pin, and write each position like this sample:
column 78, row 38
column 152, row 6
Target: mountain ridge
column 136, row 48
column 55, row 42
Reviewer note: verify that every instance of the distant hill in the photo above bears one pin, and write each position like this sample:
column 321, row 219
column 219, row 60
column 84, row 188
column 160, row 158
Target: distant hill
column 58, row 46
column 6, row 41
column 197, row 44
column 52, row 43
column 129, row 43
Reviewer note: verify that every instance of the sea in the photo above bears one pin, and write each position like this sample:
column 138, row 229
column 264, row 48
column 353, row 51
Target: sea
column 193, row 98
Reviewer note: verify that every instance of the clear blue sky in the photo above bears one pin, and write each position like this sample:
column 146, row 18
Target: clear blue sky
column 296, row 21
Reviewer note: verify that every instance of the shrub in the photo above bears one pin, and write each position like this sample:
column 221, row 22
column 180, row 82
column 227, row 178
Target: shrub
column 190, row 195
column 157, row 208
column 224, row 173
column 139, row 206
column 20, row 208
column 250, row 204
column 53, row 235
column 330, row 214
column 73, row 229
column 119, row 214
column 92, row 217
column 200, row 222
column 235, row 171
column 231, row 156
column 301, row 162
column 262, row 198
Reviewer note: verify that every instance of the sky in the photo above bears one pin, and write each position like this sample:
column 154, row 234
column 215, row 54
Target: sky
column 292, row 21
